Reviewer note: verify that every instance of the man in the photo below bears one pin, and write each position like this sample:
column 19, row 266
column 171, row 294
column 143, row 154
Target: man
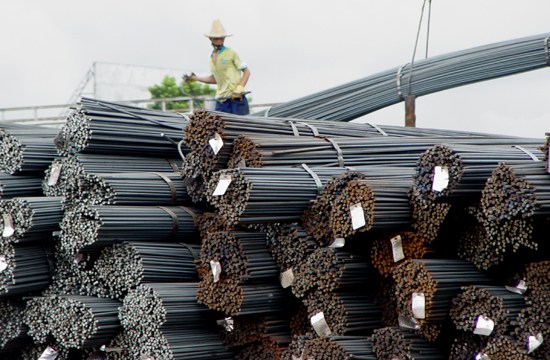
column 228, row 72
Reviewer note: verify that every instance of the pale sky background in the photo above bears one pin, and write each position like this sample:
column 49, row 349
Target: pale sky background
column 293, row 48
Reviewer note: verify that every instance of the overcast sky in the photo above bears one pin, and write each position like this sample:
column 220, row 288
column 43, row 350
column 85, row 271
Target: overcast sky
column 293, row 48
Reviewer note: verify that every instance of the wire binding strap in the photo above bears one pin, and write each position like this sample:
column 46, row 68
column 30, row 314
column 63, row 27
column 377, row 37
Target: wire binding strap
column 531, row 155
column 173, row 165
column 312, row 128
column 398, row 80
column 546, row 52
column 191, row 250
column 170, row 185
column 378, row 128
column 190, row 212
column 338, row 150
column 314, row 176
column 174, row 219
column 266, row 114
column 294, row 128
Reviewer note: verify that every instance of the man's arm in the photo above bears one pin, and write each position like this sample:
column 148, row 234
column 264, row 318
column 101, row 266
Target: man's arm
column 245, row 76
column 210, row 79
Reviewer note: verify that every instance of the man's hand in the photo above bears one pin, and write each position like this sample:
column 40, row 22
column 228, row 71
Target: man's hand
column 239, row 90
column 189, row 77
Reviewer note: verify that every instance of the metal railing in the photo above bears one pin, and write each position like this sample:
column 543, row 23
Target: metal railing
column 53, row 115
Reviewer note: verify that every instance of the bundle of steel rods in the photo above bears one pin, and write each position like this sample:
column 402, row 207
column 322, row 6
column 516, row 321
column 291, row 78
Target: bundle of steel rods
column 339, row 347
column 45, row 350
column 122, row 267
column 74, row 321
column 329, row 269
column 63, row 176
column 397, row 343
column 427, row 216
column 342, row 313
column 240, row 331
column 13, row 333
column 374, row 204
column 19, row 185
column 502, row 347
column 352, row 100
column 389, row 250
column 245, row 195
column 460, row 171
column 425, row 289
column 546, row 150
column 485, row 310
column 26, row 149
column 23, row 269
column 101, row 127
column 25, row 218
column 93, row 227
column 289, row 245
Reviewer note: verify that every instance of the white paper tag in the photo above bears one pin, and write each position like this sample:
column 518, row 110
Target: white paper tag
column 147, row 357
column 441, row 178
column 3, row 263
column 216, row 269
column 9, row 229
column 520, row 288
column 357, row 216
column 222, row 186
column 320, row 324
column 228, row 324
column 407, row 322
column 419, row 305
column 216, row 143
column 242, row 163
column 287, row 278
column 533, row 342
column 338, row 243
column 49, row 354
column 484, row 326
column 106, row 349
column 397, row 248
column 54, row 174
column 481, row 356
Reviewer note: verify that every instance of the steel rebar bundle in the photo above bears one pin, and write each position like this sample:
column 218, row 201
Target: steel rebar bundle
column 394, row 342
column 13, row 333
column 272, row 195
column 494, row 304
column 354, row 99
column 546, row 151
column 233, row 298
column 388, row 251
column 372, row 204
column 93, row 227
column 427, row 216
column 25, row 218
column 26, row 149
column 342, row 313
column 23, row 269
column 19, row 185
column 452, row 171
column 242, row 330
column 289, row 245
column 329, row 269
column 122, row 267
column 158, row 306
column 100, row 127
column 74, row 321
column 265, row 348
column 46, row 350
column 63, row 176
column 502, row 348
column 425, row 289
column 339, row 347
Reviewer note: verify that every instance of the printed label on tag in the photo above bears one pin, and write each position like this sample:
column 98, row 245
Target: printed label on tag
column 222, row 186
column 484, row 326
column 54, row 174
column 216, row 143
column 357, row 216
column 533, row 342
column 287, row 278
column 338, row 243
column 481, row 356
column 441, row 178
column 397, row 248
column 3, row 263
column 216, row 269
column 228, row 324
column 419, row 305
column 320, row 324
column 520, row 288
column 9, row 229
column 407, row 322
column 49, row 354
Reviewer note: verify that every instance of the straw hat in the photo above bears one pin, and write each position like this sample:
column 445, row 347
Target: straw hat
column 217, row 30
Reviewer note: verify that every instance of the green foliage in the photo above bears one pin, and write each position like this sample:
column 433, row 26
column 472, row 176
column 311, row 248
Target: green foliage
column 169, row 89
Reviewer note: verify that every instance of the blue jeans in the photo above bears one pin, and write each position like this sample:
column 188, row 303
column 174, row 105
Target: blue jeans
column 234, row 106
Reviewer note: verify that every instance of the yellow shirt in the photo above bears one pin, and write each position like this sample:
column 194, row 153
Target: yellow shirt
column 227, row 71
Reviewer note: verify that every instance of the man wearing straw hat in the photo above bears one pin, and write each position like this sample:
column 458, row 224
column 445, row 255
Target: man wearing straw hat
column 228, row 72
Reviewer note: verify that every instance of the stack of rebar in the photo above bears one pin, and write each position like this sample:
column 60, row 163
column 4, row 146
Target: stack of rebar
column 390, row 250
column 397, row 343
column 24, row 269
column 13, row 333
